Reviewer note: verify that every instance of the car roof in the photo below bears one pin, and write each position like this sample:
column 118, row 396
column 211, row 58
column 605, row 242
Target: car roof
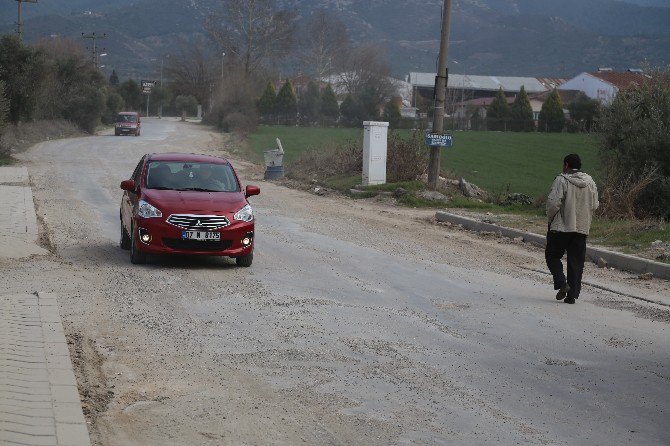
column 127, row 113
column 187, row 158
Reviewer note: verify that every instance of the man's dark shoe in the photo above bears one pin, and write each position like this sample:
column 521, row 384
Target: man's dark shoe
column 569, row 300
column 563, row 292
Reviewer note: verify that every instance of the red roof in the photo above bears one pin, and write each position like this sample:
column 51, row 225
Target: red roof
column 622, row 80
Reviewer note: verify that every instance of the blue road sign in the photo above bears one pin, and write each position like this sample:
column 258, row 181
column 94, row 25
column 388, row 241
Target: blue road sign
column 437, row 140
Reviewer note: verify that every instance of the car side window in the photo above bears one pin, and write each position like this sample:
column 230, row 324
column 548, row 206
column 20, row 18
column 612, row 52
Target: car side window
column 138, row 172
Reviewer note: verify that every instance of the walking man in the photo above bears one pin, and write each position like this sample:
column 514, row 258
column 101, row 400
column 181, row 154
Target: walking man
column 570, row 205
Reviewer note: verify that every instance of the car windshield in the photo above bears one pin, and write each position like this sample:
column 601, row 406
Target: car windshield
column 126, row 118
column 205, row 177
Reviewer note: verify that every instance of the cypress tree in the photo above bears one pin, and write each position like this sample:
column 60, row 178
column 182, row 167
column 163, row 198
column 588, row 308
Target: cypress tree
column 329, row 108
column 267, row 104
column 392, row 113
column 309, row 106
column 498, row 112
column 287, row 103
column 349, row 111
column 521, row 113
column 552, row 118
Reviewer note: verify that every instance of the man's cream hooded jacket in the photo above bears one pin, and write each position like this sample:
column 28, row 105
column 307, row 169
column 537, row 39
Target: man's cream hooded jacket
column 571, row 202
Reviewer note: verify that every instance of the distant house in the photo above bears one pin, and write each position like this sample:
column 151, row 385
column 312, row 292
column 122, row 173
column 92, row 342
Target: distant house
column 465, row 87
column 605, row 83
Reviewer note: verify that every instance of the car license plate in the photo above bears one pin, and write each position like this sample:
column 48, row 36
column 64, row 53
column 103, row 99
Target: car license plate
column 201, row 235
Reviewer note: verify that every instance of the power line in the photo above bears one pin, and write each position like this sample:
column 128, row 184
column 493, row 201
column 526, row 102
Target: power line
column 94, row 48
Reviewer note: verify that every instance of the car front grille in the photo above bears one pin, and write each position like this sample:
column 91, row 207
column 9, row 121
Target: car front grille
column 198, row 222
column 197, row 245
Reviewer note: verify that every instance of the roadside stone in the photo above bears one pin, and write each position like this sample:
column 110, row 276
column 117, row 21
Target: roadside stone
column 517, row 199
column 602, row 263
column 518, row 239
column 321, row 191
column 399, row 192
column 470, row 190
column 645, row 276
column 433, row 195
column 656, row 243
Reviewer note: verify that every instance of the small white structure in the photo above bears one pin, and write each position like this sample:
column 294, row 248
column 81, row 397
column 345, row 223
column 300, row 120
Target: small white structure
column 375, row 145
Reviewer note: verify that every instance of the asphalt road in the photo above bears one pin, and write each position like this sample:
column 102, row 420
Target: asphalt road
column 359, row 323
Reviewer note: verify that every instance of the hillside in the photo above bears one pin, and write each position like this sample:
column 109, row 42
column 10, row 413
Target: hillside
column 504, row 37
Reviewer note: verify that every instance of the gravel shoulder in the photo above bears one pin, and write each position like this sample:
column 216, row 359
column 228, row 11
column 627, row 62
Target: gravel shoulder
column 359, row 323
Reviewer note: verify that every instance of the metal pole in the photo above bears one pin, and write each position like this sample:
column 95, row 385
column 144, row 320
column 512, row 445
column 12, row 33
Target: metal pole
column 222, row 56
column 440, row 95
column 148, row 94
column 160, row 107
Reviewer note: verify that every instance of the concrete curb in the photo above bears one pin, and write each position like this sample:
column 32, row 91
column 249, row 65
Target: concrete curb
column 617, row 260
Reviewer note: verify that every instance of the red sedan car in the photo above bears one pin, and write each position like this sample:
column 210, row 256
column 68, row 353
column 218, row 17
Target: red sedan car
column 178, row 203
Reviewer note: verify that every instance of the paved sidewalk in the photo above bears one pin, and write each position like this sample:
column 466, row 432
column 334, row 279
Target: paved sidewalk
column 39, row 400
column 17, row 215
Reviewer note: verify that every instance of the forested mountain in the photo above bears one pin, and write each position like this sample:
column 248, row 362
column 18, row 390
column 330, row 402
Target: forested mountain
column 503, row 37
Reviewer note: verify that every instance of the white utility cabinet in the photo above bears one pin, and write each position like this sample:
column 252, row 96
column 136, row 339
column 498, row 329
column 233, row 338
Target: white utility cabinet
column 375, row 144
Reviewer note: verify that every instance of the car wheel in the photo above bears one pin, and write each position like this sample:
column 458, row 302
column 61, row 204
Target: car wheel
column 125, row 238
column 245, row 261
column 136, row 256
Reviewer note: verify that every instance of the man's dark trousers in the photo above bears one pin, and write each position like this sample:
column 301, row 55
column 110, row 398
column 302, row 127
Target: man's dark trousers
column 575, row 245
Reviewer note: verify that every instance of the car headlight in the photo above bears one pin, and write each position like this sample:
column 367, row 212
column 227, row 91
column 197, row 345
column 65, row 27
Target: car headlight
column 245, row 214
column 146, row 210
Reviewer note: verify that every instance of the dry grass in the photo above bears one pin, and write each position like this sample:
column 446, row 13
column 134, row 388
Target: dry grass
column 16, row 138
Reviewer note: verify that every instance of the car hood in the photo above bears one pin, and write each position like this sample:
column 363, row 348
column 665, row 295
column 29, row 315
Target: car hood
column 172, row 201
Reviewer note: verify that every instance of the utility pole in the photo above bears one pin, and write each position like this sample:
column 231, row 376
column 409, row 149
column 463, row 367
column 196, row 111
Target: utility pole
column 19, row 22
column 94, row 47
column 160, row 106
column 440, row 95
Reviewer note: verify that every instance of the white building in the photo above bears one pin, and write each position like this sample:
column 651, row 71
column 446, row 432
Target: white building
column 605, row 84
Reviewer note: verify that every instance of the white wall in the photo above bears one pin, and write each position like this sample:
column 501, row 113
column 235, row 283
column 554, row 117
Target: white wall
column 593, row 87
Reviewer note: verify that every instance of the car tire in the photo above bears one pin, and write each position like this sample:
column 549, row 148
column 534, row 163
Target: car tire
column 125, row 241
column 245, row 261
column 137, row 257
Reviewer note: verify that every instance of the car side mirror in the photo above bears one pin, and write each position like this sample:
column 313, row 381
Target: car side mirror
column 252, row 190
column 128, row 185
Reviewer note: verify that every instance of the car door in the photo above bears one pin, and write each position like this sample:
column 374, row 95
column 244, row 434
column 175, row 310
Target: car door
column 130, row 198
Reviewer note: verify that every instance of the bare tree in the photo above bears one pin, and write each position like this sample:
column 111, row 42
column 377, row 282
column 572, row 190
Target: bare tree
column 192, row 72
column 325, row 44
column 366, row 75
column 252, row 31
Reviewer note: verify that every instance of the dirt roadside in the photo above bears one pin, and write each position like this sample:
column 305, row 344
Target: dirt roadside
column 151, row 372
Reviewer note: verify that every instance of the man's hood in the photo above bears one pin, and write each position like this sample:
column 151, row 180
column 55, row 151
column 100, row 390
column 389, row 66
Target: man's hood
column 579, row 179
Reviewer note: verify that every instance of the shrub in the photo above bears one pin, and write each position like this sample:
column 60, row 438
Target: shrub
column 635, row 150
column 407, row 159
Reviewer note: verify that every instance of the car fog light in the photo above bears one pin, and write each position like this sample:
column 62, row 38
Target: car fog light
column 145, row 237
column 246, row 241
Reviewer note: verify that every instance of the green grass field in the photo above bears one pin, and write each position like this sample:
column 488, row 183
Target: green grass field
column 496, row 161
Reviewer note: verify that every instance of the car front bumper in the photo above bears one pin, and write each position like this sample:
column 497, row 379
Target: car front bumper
column 167, row 239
